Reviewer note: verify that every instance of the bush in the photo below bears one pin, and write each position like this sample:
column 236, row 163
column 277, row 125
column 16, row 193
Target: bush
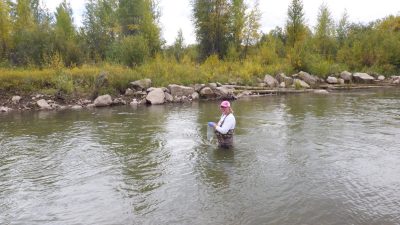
column 131, row 51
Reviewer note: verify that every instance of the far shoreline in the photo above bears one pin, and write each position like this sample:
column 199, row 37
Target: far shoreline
column 139, row 94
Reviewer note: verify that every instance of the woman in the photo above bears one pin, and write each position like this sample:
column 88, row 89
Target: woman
column 225, row 127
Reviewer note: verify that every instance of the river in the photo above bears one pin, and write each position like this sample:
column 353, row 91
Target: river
column 298, row 159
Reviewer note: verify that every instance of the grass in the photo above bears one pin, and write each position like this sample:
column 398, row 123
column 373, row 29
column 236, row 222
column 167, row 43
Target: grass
column 162, row 71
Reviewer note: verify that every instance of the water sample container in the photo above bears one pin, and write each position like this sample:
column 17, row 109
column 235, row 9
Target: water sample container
column 210, row 133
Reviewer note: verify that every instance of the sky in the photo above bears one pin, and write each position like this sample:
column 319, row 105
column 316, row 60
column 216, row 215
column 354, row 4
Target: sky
column 176, row 14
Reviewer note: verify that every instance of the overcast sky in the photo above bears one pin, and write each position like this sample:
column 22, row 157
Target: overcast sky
column 176, row 14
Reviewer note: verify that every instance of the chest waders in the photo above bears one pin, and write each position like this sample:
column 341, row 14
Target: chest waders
column 225, row 140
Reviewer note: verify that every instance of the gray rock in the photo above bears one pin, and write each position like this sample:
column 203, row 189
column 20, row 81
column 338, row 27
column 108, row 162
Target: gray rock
column 43, row 104
column 346, row 76
column 332, row 80
column 76, row 107
column 179, row 91
column 381, row 77
column 86, row 102
column 168, row 97
column 5, row 109
column 262, row 84
column 207, row 92
column 282, row 85
column 141, row 85
column 244, row 94
column 156, row 96
column 129, row 92
column 270, row 81
column 134, row 102
column 341, row 81
column 309, row 79
column 103, row 100
column 198, row 87
column 16, row 99
column 195, row 96
column 119, row 101
column 300, row 83
column 321, row 91
column 150, row 89
column 363, row 78
column 91, row 106
column 283, row 78
column 212, row 85
column 224, row 93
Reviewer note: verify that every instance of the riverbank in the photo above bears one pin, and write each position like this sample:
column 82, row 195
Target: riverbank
column 143, row 92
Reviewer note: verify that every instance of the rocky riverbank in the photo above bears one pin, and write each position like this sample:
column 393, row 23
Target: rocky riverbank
column 141, row 92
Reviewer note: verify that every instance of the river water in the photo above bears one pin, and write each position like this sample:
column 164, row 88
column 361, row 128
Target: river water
column 298, row 159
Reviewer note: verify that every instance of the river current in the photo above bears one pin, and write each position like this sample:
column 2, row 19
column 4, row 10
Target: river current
column 297, row 159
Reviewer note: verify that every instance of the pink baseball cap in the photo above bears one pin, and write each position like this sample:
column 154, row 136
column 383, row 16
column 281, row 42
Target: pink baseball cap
column 225, row 104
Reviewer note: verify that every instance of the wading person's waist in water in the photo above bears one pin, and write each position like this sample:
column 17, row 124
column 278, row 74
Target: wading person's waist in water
column 225, row 127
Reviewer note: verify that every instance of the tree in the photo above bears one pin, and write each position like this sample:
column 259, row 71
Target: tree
column 237, row 22
column 139, row 17
column 179, row 46
column 23, row 33
column 252, row 28
column 324, row 33
column 295, row 25
column 211, row 20
column 100, row 27
column 342, row 28
column 296, row 31
column 5, row 29
column 65, row 35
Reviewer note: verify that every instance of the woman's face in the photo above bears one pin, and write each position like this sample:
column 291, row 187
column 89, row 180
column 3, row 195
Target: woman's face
column 224, row 110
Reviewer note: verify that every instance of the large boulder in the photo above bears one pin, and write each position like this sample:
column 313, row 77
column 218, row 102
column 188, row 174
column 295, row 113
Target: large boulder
column 156, row 96
column 281, row 77
column 224, row 93
column 141, row 85
column 363, row 78
column 300, row 83
column 395, row 80
column 332, row 80
column 309, row 79
column 179, row 91
column 270, row 81
column 207, row 92
column 198, row 87
column 346, row 76
column 103, row 100
column 43, row 104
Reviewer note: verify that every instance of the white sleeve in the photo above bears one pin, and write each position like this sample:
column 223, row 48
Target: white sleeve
column 229, row 124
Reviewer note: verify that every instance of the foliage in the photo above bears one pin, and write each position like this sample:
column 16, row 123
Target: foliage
column 130, row 51
column 211, row 21
column 43, row 50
